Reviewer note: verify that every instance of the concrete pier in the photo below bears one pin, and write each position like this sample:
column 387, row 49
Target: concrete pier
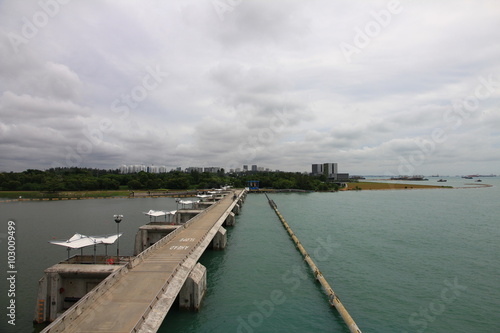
column 151, row 233
column 136, row 297
column 184, row 215
column 231, row 220
column 220, row 239
column 66, row 283
column 194, row 289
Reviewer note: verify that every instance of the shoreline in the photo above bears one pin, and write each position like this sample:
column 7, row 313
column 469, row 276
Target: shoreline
column 379, row 186
column 351, row 186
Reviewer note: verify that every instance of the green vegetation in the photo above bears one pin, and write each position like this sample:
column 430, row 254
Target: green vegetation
column 62, row 182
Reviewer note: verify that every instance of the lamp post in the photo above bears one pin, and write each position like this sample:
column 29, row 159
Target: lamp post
column 118, row 219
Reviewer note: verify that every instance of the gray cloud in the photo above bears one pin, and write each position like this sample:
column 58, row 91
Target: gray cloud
column 262, row 83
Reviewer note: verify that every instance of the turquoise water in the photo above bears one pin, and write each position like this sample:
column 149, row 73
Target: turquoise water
column 401, row 261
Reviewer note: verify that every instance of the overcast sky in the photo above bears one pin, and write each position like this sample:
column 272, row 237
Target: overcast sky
column 380, row 87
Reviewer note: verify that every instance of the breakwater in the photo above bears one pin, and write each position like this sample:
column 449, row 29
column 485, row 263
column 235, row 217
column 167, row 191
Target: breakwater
column 333, row 299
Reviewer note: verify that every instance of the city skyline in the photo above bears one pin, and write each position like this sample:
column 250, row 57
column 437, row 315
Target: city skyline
column 382, row 87
column 133, row 168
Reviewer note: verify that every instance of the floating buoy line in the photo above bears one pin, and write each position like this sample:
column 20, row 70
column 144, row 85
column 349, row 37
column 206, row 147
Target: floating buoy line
column 333, row 299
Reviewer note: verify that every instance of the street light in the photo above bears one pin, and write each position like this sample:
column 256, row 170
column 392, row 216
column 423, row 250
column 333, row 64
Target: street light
column 118, row 219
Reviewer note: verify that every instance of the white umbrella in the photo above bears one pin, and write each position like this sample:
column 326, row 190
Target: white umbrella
column 79, row 241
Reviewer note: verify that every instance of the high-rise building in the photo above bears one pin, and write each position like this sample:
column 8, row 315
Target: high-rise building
column 254, row 167
column 330, row 170
column 317, row 169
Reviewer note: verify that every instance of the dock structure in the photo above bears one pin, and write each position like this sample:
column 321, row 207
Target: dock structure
column 137, row 296
column 333, row 299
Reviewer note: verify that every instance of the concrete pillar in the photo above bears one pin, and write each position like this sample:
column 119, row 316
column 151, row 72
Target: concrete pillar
column 220, row 239
column 140, row 241
column 230, row 220
column 144, row 240
column 236, row 209
column 56, row 302
column 41, row 308
column 194, row 288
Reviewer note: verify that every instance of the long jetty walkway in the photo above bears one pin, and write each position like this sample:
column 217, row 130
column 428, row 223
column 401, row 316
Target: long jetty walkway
column 137, row 297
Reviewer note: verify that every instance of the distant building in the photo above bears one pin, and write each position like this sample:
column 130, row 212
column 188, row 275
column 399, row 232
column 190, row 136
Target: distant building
column 212, row 169
column 253, row 184
column 152, row 169
column 141, row 167
column 193, row 169
column 330, row 171
column 254, row 167
column 245, row 168
column 317, row 169
column 343, row 177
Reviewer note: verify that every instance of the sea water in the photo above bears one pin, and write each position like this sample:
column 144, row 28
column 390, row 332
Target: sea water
column 400, row 260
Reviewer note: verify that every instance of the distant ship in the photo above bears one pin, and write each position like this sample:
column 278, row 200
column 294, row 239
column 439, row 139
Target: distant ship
column 442, row 180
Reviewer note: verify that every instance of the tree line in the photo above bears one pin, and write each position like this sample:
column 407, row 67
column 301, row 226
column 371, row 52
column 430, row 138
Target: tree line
column 88, row 179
